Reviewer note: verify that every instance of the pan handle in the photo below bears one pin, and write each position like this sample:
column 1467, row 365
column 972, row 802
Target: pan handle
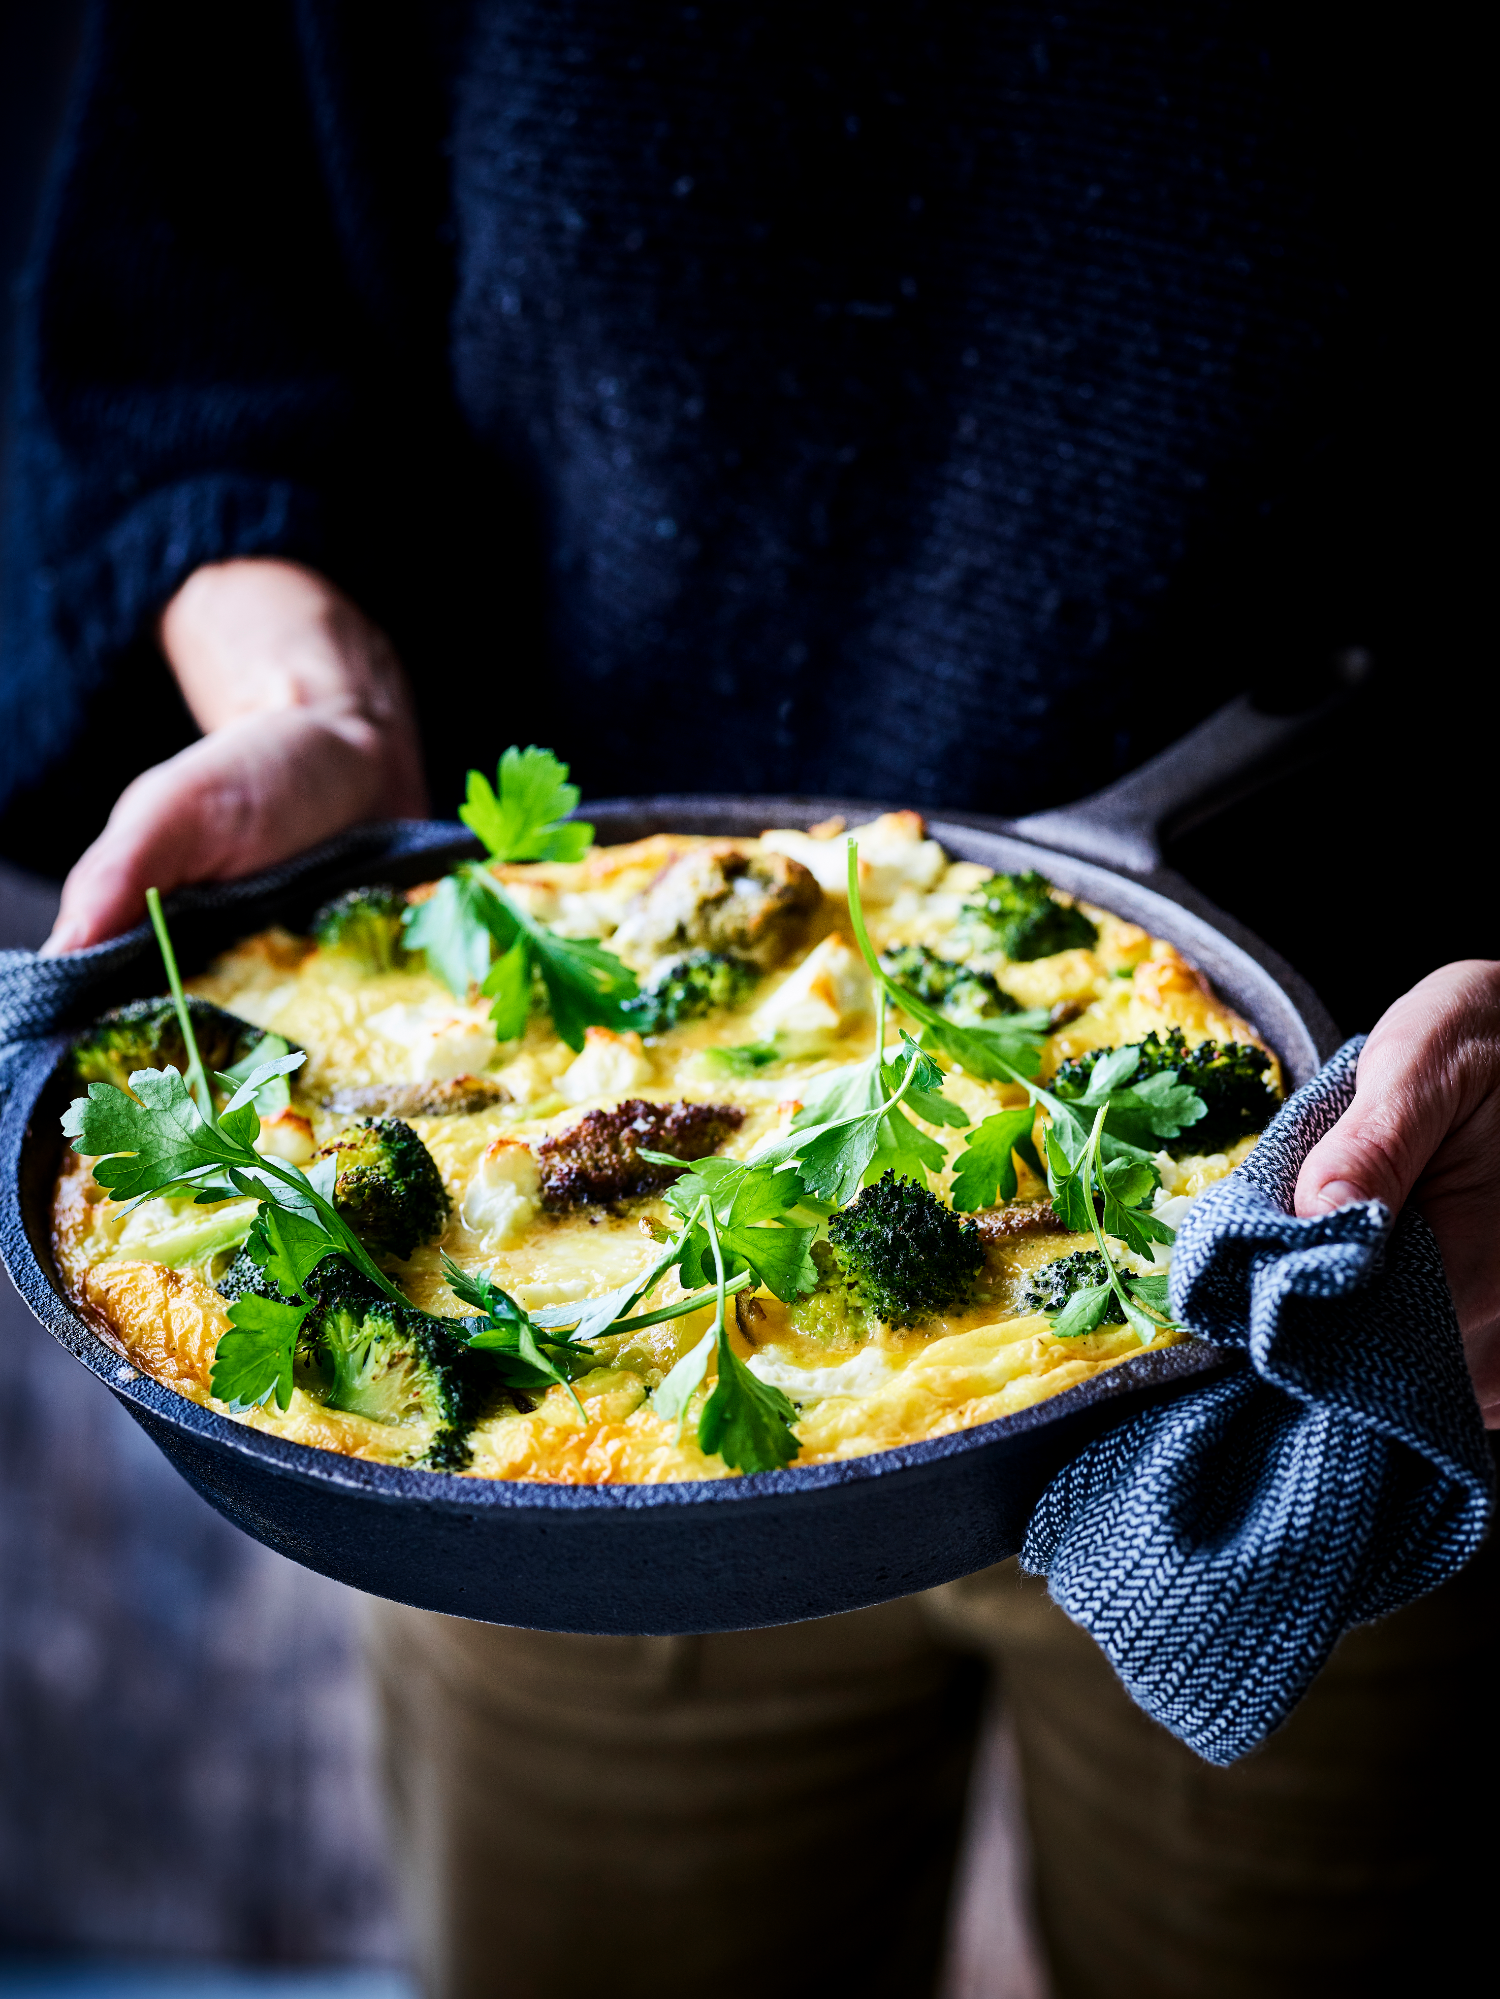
column 1236, row 751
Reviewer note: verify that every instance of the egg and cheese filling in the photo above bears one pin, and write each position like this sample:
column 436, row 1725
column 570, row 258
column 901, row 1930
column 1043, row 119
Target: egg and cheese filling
column 541, row 1199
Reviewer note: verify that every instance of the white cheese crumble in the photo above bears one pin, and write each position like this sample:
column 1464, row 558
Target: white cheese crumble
column 829, row 990
column 611, row 1065
column 440, row 1040
column 868, row 1371
column 894, row 854
column 503, row 1193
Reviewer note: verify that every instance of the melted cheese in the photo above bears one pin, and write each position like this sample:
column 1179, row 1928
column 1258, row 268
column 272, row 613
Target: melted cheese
column 897, row 1387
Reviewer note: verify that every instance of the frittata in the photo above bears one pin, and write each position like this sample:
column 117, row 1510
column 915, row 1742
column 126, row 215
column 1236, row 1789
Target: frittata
column 752, row 992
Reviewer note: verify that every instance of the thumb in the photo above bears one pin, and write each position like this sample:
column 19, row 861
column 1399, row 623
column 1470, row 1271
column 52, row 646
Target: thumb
column 249, row 795
column 1415, row 1084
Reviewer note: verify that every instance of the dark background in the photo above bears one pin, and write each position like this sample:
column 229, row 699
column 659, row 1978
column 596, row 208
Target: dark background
column 1365, row 867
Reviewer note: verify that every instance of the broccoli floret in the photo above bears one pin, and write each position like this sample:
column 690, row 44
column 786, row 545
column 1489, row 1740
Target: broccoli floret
column 827, row 1314
column 1017, row 915
column 388, row 1189
column 1230, row 1076
column 245, row 1279
column 363, row 928
column 146, row 1035
column 360, row 1351
column 903, row 1253
column 394, row 1364
column 1049, row 1288
column 703, row 982
column 959, row 991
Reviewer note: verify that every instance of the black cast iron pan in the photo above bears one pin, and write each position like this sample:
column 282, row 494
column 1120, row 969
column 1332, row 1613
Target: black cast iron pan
column 723, row 1555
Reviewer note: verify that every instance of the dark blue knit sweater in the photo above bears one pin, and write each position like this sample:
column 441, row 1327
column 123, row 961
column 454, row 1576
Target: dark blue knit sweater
column 833, row 397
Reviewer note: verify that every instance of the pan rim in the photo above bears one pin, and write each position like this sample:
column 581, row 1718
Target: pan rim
column 1140, row 1379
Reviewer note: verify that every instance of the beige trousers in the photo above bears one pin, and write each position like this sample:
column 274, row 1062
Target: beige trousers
column 777, row 1812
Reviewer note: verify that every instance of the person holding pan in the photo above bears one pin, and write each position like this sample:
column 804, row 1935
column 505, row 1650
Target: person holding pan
column 886, row 397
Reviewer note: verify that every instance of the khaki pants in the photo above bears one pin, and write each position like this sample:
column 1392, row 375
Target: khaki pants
column 777, row 1812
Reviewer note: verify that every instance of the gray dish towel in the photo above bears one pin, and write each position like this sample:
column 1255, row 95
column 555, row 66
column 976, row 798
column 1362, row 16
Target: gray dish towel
column 1219, row 1546
column 1216, row 1547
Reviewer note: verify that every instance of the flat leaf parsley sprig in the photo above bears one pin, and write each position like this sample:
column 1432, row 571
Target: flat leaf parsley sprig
column 163, row 1138
column 1094, row 1156
column 1140, row 1301
column 470, row 918
column 735, row 1230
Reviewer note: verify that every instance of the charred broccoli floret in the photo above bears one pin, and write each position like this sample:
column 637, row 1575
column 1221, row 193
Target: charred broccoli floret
column 146, row 1035
column 959, row 991
column 394, row 1364
column 904, row 1255
column 388, row 1189
column 362, row 1352
column 703, row 982
column 1049, row 1288
column 1230, row 1076
column 363, row 927
column 1016, row 914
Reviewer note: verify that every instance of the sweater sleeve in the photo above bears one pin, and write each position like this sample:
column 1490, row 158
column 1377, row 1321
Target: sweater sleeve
column 211, row 329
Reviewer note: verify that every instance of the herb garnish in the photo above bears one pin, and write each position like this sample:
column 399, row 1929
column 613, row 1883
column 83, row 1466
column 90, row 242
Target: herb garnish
column 1119, row 1187
column 163, row 1138
column 528, row 1356
column 1084, row 1163
column 470, row 918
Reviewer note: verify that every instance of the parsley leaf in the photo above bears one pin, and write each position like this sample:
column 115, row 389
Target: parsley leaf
column 521, row 821
column 1152, row 1290
column 508, row 1333
column 586, row 985
column 675, row 1393
column 1158, row 1107
column 1085, row 1311
column 455, row 927
column 158, row 1142
column 1076, row 1172
column 750, row 1424
column 508, row 984
column 985, row 1172
column 853, row 1129
column 260, row 1077
column 748, row 1204
column 165, row 1139
column 253, row 1361
column 470, row 915
column 288, row 1247
column 747, row 1421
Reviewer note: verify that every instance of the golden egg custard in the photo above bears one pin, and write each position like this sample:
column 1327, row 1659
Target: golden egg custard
column 935, row 1266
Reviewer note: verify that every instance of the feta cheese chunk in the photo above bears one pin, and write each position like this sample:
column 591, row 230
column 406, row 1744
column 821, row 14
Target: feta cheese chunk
column 829, row 990
column 611, row 1065
column 894, row 855
column 288, row 1137
column 503, row 1194
column 440, row 1040
column 868, row 1371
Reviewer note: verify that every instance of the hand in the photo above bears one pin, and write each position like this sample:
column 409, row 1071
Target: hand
column 308, row 728
column 1425, row 1125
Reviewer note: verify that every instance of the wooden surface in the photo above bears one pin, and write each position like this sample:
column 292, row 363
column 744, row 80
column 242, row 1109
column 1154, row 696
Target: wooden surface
column 186, row 1761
